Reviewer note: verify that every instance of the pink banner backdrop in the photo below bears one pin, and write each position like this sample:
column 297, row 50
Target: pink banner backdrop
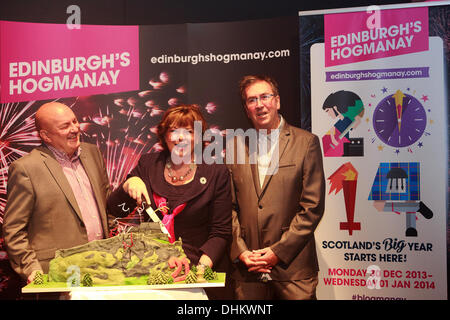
column 43, row 61
column 360, row 36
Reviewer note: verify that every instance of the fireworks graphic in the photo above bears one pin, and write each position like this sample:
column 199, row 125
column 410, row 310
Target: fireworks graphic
column 18, row 136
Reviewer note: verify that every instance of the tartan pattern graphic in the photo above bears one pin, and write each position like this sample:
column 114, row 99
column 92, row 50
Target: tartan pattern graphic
column 380, row 183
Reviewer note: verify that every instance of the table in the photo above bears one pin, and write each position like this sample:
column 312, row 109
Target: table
column 176, row 291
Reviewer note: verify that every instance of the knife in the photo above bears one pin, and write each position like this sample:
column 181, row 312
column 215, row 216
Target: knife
column 155, row 218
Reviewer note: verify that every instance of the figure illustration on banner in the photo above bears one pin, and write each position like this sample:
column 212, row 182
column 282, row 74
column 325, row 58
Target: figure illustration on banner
column 396, row 188
column 348, row 108
column 345, row 178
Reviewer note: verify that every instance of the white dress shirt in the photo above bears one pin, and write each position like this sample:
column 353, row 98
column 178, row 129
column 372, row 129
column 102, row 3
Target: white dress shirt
column 267, row 146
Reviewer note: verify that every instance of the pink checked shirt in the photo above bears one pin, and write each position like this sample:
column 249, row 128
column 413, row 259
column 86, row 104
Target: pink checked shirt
column 82, row 189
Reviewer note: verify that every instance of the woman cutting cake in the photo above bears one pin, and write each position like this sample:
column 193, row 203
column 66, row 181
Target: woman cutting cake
column 193, row 199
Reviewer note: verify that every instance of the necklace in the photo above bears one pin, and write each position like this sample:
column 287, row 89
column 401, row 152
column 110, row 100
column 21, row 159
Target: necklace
column 172, row 175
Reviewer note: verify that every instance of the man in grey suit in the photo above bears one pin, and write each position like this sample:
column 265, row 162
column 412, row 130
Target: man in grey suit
column 276, row 208
column 56, row 194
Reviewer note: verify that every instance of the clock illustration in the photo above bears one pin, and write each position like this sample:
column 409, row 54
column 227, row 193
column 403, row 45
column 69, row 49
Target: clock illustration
column 399, row 120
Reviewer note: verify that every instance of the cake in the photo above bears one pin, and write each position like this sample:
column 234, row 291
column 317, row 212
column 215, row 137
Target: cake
column 143, row 255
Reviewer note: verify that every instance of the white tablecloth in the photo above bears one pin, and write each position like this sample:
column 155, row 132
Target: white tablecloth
column 166, row 294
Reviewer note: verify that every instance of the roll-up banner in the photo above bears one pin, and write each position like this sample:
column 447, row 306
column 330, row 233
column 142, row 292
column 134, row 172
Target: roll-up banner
column 379, row 98
column 119, row 80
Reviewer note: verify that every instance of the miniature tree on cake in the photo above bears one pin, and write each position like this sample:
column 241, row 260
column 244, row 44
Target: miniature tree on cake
column 159, row 277
column 209, row 274
column 87, row 280
column 191, row 277
column 38, row 278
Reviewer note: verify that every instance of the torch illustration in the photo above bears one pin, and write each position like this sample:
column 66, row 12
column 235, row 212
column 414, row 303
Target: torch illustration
column 345, row 178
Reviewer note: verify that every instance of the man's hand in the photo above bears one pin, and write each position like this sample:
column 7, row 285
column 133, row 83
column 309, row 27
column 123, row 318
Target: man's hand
column 266, row 255
column 136, row 189
column 253, row 265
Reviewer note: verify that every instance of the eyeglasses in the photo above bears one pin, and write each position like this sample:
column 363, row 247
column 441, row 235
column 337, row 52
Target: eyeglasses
column 264, row 98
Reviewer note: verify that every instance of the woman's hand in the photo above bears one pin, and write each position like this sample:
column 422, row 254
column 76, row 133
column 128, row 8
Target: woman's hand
column 136, row 189
column 205, row 260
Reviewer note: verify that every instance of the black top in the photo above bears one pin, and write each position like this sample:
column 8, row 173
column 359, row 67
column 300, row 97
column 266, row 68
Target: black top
column 204, row 225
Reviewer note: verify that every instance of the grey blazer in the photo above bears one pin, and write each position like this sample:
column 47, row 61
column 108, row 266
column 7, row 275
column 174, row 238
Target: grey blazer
column 284, row 213
column 41, row 212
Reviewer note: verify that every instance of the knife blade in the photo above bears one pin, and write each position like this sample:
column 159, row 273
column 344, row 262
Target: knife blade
column 155, row 218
